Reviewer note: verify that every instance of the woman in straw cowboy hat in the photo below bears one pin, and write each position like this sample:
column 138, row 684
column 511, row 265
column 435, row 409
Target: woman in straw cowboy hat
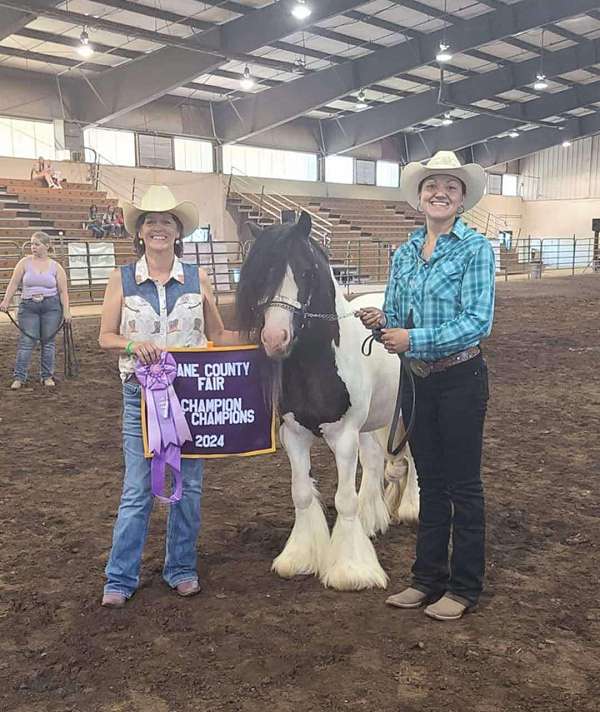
column 439, row 305
column 156, row 302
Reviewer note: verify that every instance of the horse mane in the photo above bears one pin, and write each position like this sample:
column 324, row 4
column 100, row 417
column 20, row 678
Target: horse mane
column 275, row 248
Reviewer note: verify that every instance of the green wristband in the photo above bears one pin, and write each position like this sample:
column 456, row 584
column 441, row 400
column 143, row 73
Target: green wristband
column 128, row 349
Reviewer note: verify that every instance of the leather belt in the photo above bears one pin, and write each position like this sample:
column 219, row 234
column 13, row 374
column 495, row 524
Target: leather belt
column 426, row 368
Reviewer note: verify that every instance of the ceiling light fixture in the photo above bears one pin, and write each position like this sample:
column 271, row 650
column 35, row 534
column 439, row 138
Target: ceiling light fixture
column 85, row 49
column 541, row 82
column 246, row 82
column 361, row 100
column 514, row 133
column 300, row 65
column 447, row 120
column 443, row 54
column 566, row 143
column 301, row 10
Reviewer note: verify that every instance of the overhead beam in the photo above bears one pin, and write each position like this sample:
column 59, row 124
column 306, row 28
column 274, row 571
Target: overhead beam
column 12, row 19
column 50, row 59
column 160, row 14
column 36, row 8
column 351, row 132
column 252, row 115
column 494, row 153
column 131, row 54
column 136, row 83
column 480, row 128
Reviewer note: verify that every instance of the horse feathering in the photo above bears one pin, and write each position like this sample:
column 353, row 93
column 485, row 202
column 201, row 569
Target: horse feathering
column 287, row 298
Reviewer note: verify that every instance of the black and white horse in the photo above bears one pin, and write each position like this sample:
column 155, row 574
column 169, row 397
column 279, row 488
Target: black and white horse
column 289, row 299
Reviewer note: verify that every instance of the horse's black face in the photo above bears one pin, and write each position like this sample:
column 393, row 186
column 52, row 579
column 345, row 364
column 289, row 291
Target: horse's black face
column 278, row 252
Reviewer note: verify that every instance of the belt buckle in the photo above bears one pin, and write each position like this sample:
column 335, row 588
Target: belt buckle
column 420, row 368
column 37, row 298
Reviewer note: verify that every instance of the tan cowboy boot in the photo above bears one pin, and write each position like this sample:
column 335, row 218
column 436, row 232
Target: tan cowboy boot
column 409, row 598
column 446, row 609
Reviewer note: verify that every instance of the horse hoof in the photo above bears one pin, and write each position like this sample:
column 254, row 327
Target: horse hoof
column 286, row 566
column 354, row 578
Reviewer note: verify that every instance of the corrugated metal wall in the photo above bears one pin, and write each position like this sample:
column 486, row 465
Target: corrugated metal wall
column 563, row 173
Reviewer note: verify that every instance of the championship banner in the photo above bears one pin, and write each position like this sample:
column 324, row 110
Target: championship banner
column 221, row 395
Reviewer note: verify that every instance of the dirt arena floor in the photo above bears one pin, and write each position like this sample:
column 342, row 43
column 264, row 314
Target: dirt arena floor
column 252, row 642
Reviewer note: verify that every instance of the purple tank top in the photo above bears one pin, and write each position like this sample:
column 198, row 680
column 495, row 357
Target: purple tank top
column 39, row 283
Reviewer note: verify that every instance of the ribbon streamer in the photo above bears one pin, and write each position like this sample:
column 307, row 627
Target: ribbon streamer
column 167, row 426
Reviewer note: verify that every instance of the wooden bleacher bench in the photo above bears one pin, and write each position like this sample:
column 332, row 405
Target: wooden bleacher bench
column 25, row 182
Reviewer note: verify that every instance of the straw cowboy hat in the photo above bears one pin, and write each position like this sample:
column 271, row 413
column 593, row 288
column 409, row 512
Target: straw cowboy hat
column 159, row 199
column 446, row 163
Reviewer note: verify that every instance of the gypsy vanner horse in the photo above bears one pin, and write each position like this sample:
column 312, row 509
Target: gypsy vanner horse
column 325, row 387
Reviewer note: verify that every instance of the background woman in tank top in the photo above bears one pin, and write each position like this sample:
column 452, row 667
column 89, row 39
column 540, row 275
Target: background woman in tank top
column 44, row 302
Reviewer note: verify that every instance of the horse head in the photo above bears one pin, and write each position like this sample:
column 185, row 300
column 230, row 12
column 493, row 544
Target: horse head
column 285, row 275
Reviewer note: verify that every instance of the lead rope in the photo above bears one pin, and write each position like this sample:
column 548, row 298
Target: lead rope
column 366, row 349
column 71, row 364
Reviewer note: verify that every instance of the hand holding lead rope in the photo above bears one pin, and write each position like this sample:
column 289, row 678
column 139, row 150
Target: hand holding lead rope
column 367, row 348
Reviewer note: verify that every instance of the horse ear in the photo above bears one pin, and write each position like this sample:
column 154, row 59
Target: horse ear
column 305, row 224
column 255, row 230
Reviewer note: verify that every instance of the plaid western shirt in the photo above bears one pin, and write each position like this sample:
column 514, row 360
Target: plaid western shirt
column 451, row 296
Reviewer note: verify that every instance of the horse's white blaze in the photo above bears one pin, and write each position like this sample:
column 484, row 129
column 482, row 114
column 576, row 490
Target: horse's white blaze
column 372, row 510
column 306, row 547
column 277, row 333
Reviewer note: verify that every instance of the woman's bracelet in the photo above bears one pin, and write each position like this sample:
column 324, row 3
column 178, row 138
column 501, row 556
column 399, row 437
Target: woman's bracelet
column 128, row 349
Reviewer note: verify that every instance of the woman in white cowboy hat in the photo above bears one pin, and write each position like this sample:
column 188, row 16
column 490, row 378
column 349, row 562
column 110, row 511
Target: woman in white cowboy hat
column 439, row 305
column 155, row 302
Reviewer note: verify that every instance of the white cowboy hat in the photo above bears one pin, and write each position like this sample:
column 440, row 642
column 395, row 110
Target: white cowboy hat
column 159, row 199
column 446, row 163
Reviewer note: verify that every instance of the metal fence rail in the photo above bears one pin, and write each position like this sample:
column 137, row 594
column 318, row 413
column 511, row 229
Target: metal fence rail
column 355, row 262
column 88, row 271
column 536, row 255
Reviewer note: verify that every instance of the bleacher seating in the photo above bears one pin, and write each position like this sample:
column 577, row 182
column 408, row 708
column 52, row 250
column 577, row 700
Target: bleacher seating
column 361, row 234
column 25, row 207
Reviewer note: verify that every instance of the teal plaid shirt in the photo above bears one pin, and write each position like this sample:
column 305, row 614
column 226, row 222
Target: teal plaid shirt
column 451, row 296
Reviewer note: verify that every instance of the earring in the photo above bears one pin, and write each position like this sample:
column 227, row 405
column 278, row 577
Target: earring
column 461, row 210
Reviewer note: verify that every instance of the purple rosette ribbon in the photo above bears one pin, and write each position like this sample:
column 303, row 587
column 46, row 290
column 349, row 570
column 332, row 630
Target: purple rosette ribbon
column 167, row 426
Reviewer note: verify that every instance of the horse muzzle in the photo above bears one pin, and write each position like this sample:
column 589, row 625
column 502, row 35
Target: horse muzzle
column 277, row 348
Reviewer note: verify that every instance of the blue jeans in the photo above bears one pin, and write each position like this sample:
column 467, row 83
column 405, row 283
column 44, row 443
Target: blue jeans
column 40, row 320
column 131, row 527
column 446, row 444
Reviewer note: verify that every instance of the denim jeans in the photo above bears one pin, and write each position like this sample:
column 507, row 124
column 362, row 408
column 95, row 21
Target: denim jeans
column 40, row 320
column 131, row 527
column 446, row 444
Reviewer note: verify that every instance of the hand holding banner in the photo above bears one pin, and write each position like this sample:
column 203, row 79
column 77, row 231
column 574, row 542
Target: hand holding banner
column 222, row 396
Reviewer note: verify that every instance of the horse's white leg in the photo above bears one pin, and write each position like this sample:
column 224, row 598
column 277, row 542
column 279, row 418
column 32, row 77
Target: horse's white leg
column 306, row 547
column 372, row 509
column 351, row 560
column 408, row 511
